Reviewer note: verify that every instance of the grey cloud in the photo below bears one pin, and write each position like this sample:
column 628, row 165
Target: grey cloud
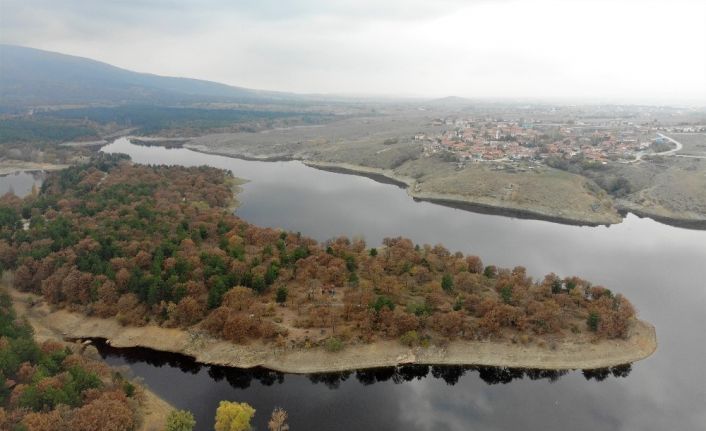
column 483, row 48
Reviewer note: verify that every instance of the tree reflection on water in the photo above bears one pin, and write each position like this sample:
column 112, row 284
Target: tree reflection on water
column 242, row 378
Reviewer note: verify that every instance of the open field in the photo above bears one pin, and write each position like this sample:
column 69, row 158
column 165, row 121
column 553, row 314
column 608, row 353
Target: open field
column 694, row 143
column 669, row 188
column 543, row 191
column 379, row 142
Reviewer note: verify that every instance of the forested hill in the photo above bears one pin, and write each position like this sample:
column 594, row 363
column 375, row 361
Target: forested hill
column 30, row 77
column 156, row 244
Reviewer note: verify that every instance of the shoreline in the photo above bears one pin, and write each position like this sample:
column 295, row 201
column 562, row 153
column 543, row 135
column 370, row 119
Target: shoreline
column 154, row 409
column 684, row 223
column 378, row 175
column 10, row 167
column 526, row 214
column 385, row 176
column 204, row 349
column 455, row 201
column 471, row 205
column 252, row 158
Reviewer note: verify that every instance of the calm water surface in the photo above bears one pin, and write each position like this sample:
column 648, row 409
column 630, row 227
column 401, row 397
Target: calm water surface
column 660, row 268
column 20, row 183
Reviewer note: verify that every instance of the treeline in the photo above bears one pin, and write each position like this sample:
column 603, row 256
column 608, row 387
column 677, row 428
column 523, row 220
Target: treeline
column 32, row 129
column 37, row 139
column 47, row 387
column 156, row 244
column 149, row 119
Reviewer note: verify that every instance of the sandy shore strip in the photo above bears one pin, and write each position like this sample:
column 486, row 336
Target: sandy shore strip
column 8, row 167
column 566, row 354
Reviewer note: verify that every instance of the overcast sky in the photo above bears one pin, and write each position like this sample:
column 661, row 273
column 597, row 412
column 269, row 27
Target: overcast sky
column 608, row 50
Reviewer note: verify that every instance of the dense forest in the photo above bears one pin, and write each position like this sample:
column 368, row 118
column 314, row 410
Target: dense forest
column 149, row 119
column 38, row 139
column 159, row 245
column 39, row 136
column 48, row 387
column 29, row 130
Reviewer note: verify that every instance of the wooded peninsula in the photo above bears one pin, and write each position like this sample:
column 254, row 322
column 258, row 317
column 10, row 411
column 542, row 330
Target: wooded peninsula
column 158, row 250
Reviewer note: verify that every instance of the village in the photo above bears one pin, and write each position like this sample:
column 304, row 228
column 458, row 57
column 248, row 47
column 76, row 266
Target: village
column 486, row 140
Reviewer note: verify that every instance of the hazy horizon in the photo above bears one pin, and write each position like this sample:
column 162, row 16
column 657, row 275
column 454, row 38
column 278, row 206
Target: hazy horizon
column 541, row 50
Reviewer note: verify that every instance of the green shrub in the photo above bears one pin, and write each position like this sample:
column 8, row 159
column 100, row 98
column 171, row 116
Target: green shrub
column 180, row 420
column 129, row 389
column 506, row 294
column 84, row 379
column 410, row 338
column 281, row 295
column 593, row 320
column 419, row 310
column 490, row 271
column 333, row 344
column 447, row 283
column 382, row 302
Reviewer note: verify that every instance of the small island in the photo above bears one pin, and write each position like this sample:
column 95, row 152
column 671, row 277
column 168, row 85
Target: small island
column 152, row 256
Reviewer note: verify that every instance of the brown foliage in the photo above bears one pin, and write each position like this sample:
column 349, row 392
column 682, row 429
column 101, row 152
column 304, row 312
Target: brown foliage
column 404, row 322
column 188, row 312
column 8, row 254
column 44, row 421
column 278, row 420
column 239, row 298
column 237, row 328
column 215, row 321
column 131, row 311
column 25, row 373
column 615, row 315
column 190, row 252
column 110, row 412
column 475, row 264
column 23, row 278
column 545, row 317
column 122, row 277
column 449, row 324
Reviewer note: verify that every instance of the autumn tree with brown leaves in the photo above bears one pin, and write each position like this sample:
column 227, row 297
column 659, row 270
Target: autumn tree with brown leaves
column 157, row 245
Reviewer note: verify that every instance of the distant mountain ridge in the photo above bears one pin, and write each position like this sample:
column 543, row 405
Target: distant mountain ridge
column 33, row 77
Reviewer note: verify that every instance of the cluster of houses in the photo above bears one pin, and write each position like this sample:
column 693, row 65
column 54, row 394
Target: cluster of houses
column 513, row 141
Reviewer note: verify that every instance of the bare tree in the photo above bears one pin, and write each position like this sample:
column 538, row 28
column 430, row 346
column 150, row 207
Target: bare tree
column 278, row 420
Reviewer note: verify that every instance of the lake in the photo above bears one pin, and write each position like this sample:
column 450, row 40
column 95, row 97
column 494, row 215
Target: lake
column 660, row 268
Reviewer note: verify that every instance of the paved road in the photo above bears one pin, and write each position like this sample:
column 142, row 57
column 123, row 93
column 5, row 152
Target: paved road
column 674, row 151
column 669, row 152
column 690, row 156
